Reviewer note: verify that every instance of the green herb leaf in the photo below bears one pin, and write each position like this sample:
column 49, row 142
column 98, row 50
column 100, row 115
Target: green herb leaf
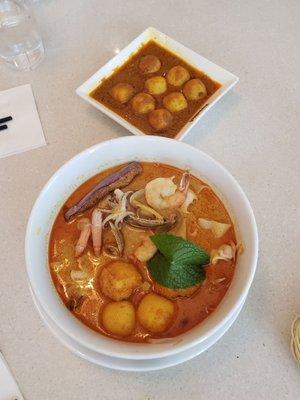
column 176, row 248
column 179, row 263
column 174, row 275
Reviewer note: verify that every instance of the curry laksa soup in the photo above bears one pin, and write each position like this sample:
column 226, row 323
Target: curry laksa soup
column 142, row 252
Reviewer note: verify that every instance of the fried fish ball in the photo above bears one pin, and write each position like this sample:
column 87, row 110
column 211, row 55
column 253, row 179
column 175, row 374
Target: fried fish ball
column 149, row 64
column 118, row 280
column 194, row 89
column 122, row 92
column 142, row 103
column 160, row 119
column 118, row 318
column 177, row 76
column 155, row 313
column 175, row 102
column 156, row 85
column 175, row 293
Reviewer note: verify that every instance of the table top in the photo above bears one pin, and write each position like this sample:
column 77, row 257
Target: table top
column 253, row 131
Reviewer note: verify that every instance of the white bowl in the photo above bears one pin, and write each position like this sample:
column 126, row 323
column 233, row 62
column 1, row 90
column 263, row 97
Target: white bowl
column 124, row 364
column 103, row 156
column 227, row 79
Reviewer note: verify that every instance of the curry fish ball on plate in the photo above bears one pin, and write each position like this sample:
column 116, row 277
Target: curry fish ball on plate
column 175, row 102
column 160, row 119
column 156, row 85
column 149, row 64
column 118, row 318
column 177, row 76
column 155, row 313
column 194, row 89
column 122, row 92
column 142, row 103
column 118, row 280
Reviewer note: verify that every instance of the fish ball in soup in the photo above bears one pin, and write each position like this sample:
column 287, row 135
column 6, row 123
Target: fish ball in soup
column 155, row 313
column 175, row 293
column 149, row 64
column 118, row 280
column 175, row 102
column 177, row 76
column 160, row 119
column 142, row 103
column 156, row 85
column 118, row 318
column 194, row 89
column 122, row 92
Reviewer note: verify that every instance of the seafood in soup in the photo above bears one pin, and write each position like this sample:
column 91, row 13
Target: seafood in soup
column 142, row 252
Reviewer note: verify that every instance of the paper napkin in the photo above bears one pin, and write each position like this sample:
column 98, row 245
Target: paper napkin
column 8, row 387
column 25, row 131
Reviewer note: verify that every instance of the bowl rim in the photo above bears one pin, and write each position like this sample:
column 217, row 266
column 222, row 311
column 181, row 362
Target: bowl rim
column 159, row 350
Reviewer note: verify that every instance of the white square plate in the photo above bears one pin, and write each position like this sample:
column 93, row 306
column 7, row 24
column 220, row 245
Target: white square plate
column 217, row 73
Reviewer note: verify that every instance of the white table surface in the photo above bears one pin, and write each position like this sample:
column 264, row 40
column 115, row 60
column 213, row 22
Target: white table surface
column 253, row 131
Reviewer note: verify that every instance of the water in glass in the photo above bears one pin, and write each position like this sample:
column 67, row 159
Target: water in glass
column 20, row 43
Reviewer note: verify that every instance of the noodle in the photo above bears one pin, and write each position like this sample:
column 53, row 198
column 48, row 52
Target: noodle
column 295, row 340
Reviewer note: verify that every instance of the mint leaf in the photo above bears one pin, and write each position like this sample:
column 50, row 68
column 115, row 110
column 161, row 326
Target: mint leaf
column 176, row 248
column 179, row 263
column 173, row 275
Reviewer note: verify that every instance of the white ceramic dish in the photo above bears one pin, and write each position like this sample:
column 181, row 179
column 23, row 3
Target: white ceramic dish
column 102, row 156
column 124, row 364
column 219, row 74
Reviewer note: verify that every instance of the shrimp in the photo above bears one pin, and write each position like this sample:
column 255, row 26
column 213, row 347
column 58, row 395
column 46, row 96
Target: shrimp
column 84, row 226
column 97, row 230
column 146, row 250
column 162, row 193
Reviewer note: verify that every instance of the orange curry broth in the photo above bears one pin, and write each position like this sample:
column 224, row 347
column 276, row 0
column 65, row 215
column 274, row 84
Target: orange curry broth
column 130, row 73
column 190, row 311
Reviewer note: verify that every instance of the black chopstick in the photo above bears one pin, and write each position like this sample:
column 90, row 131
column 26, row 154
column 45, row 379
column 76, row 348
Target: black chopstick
column 2, row 127
column 6, row 119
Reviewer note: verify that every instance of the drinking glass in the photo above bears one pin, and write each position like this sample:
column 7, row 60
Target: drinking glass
column 21, row 45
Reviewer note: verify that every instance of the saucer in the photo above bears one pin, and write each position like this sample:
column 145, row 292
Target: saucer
column 132, row 365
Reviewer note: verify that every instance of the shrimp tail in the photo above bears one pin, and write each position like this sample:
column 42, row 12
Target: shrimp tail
column 184, row 182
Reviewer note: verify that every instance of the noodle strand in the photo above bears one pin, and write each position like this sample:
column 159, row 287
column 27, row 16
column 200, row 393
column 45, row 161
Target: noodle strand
column 295, row 339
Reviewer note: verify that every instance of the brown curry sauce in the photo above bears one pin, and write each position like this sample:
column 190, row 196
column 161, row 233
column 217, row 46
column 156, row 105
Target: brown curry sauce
column 130, row 73
column 190, row 311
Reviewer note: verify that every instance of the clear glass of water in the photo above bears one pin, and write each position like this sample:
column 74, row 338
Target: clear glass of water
column 21, row 45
